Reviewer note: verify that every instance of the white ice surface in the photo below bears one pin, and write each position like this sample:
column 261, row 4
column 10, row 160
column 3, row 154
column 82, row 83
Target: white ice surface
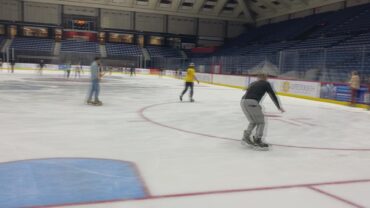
column 45, row 117
column 266, row 199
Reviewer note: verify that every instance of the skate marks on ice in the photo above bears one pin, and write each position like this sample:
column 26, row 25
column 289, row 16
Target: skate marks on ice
column 298, row 122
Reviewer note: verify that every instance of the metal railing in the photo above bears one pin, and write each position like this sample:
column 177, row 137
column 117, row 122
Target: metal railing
column 168, row 63
column 315, row 64
column 73, row 58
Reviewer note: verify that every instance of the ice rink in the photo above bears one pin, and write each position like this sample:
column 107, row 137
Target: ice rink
column 145, row 149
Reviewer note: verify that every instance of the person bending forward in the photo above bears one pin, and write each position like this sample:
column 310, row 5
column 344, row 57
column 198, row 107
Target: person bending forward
column 253, row 111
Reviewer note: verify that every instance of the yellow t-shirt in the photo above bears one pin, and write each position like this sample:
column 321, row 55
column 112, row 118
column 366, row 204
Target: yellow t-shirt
column 190, row 75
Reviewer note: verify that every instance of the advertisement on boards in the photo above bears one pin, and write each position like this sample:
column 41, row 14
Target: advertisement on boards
column 341, row 92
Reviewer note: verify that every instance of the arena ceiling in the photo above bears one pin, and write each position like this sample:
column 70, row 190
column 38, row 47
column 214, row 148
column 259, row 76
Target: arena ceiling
column 239, row 10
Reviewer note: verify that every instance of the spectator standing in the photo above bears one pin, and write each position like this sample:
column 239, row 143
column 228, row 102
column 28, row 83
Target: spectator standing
column 368, row 93
column 354, row 84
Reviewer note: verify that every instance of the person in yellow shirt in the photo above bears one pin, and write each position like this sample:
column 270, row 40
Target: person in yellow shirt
column 189, row 82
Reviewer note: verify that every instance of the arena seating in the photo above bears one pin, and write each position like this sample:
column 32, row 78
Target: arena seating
column 338, row 41
column 334, row 20
column 273, row 47
column 320, row 30
column 156, row 51
column 120, row 49
column 359, row 40
column 33, row 46
column 1, row 39
column 80, row 46
column 350, row 20
column 303, row 60
column 320, row 42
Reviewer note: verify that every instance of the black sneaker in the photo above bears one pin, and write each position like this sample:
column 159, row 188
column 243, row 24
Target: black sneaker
column 180, row 98
column 192, row 100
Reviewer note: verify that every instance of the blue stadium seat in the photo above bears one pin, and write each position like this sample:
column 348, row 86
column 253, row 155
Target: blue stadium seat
column 120, row 49
column 156, row 51
column 80, row 46
column 33, row 46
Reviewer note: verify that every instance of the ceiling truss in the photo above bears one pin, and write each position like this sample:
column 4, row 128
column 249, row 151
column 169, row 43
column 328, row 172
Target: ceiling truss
column 248, row 11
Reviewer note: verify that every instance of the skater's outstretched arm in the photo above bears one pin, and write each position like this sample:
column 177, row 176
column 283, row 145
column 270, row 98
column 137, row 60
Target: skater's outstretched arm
column 102, row 74
column 274, row 98
column 196, row 79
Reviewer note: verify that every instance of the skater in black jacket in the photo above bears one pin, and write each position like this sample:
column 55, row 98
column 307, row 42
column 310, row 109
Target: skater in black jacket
column 253, row 111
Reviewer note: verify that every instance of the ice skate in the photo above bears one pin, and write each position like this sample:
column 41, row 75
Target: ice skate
column 260, row 145
column 95, row 103
column 98, row 103
column 247, row 141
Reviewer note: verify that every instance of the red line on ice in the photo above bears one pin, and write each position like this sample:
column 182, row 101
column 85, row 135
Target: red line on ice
column 335, row 197
column 141, row 113
column 230, row 191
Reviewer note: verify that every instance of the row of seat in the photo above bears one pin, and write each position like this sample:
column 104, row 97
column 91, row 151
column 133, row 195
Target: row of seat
column 337, row 40
column 41, row 45
column 33, row 45
column 156, row 51
column 115, row 49
column 80, row 46
column 334, row 26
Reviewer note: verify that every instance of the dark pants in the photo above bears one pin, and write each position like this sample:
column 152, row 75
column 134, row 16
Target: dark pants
column 367, row 99
column 354, row 95
column 187, row 86
column 40, row 70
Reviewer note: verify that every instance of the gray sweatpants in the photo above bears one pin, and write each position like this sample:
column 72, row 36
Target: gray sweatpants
column 253, row 112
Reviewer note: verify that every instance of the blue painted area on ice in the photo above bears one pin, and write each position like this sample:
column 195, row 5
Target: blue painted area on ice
column 67, row 181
